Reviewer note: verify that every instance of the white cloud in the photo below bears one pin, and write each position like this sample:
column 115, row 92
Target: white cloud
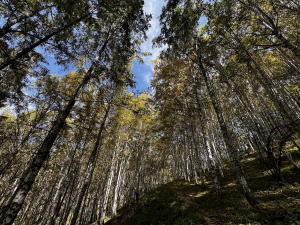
column 144, row 73
column 9, row 109
column 147, row 78
column 153, row 7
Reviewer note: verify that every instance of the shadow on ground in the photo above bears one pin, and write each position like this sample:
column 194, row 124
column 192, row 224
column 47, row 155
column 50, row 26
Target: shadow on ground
column 180, row 202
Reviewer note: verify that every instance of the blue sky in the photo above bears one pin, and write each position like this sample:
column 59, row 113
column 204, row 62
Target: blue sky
column 143, row 72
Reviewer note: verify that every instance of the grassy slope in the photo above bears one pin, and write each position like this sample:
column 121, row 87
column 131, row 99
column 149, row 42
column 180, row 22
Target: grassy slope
column 180, row 202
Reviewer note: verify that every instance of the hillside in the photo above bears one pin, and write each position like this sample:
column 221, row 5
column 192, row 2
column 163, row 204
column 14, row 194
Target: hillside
column 180, row 202
column 104, row 103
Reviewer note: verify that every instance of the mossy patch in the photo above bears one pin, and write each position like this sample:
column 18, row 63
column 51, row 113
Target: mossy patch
column 180, row 202
column 160, row 206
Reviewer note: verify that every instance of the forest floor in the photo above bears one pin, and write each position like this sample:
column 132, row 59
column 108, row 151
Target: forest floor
column 180, row 202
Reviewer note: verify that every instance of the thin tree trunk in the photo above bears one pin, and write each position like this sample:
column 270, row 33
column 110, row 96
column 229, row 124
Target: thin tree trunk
column 46, row 205
column 116, row 195
column 229, row 145
column 269, row 23
column 83, row 208
column 67, row 179
column 26, row 210
column 29, row 175
column 290, row 158
column 199, row 159
column 90, row 168
column 41, row 41
column 206, row 144
column 6, row 28
column 108, row 185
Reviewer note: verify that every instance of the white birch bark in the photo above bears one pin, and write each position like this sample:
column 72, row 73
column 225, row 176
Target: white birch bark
column 108, row 185
column 116, row 194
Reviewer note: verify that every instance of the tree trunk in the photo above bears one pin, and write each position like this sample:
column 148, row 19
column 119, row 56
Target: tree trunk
column 25, row 51
column 116, row 195
column 90, row 168
column 108, row 185
column 199, row 159
column 269, row 23
column 29, row 175
column 206, row 144
column 229, row 145
column 10, row 23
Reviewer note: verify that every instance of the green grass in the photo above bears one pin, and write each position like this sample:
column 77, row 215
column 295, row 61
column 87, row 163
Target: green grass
column 182, row 203
column 160, row 206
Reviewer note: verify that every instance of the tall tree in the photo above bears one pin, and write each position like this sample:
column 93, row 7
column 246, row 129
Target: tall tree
column 179, row 27
column 117, row 38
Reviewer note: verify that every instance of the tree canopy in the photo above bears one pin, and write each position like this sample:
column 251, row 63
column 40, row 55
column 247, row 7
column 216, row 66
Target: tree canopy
column 81, row 145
